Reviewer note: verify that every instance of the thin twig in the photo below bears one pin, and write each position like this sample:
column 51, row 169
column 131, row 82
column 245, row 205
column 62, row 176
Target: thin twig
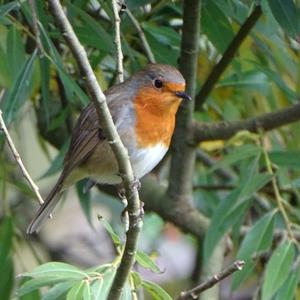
column 227, row 57
column 19, row 160
column 35, row 27
column 118, row 41
column 142, row 36
column 226, row 130
column 278, row 197
column 113, row 138
column 195, row 292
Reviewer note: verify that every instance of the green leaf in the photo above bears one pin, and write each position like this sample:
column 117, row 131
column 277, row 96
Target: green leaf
column 259, row 238
column 35, row 295
column 57, row 291
column 71, row 87
column 87, row 293
column 7, row 8
column 156, row 291
column 127, row 292
column 136, row 3
column 289, row 288
column 147, row 262
column 76, row 292
column 44, row 64
column 235, row 9
column 277, row 79
column 7, row 278
column 234, row 206
column 6, row 236
column 15, row 52
column 56, row 271
column 286, row 159
column 100, row 289
column 287, row 15
column 237, row 154
column 251, row 80
column 19, row 92
column 162, row 40
column 84, row 199
column 137, row 279
column 34, row 284
column 216, row 26
column 92, row 33
column 115, row 238
column 5, row 80
column 277, row 269
column 164, row 35
column 96, row 288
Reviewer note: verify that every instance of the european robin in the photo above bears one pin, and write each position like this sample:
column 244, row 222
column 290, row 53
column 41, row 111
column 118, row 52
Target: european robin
column 143, row 109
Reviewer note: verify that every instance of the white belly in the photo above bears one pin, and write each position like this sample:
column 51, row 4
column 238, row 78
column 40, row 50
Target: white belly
column 144, row 160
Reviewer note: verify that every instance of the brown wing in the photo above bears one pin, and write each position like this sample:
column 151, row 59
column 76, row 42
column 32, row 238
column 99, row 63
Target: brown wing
column 86, row 136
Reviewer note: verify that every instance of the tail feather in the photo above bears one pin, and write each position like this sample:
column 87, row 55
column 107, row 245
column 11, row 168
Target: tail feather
column 45, row 209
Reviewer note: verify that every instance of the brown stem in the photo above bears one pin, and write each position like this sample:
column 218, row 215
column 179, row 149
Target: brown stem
column 183, row 155
column 195, row 292
column 225, row 130
column 227, row 57
column 18, row 159
column 142, row 36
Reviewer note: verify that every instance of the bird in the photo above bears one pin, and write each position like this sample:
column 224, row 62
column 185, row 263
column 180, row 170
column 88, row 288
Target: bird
column 143, row 109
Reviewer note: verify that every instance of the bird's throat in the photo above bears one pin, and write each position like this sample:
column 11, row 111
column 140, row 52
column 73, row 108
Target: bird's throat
column 155, row 118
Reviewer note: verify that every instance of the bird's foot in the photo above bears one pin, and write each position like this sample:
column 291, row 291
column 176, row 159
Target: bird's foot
column 138, row 216
column 136, row 184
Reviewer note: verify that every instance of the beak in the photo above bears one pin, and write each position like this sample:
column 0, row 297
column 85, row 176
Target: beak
column 183, row 95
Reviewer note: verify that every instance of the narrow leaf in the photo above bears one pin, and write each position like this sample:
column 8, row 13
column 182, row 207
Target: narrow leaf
column 7, row 8
column 287, row 15
column 234, row 206
column 259, row 238
column 277, row 269
column 115, row 238
column 156, row 291
column 76, row 292
column 19, row 91
column 56, row 270
column 146, row 262
column 57, row 291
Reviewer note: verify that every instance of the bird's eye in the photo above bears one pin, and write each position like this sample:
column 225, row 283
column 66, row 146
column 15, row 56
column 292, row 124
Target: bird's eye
column 158, row 83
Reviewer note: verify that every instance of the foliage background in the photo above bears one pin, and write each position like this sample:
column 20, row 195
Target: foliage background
column 246, row 184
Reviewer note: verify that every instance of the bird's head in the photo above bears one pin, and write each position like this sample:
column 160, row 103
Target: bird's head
column 160, row 88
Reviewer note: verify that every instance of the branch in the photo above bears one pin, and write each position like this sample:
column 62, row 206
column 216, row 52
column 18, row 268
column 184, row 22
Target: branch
column 181, row 214
column 142, row 36
column 227, row 57
column 111, row 134
column 213, row 265
column 225, row 130
column 195, row 292
column 120, row 70
column 19, row 160
column 183, row 156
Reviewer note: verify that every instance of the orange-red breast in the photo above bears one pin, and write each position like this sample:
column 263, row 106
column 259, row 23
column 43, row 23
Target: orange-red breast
column 143, row 109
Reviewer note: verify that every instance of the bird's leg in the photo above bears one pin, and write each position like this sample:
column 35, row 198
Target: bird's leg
column 136, row 184
column 122, row 195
